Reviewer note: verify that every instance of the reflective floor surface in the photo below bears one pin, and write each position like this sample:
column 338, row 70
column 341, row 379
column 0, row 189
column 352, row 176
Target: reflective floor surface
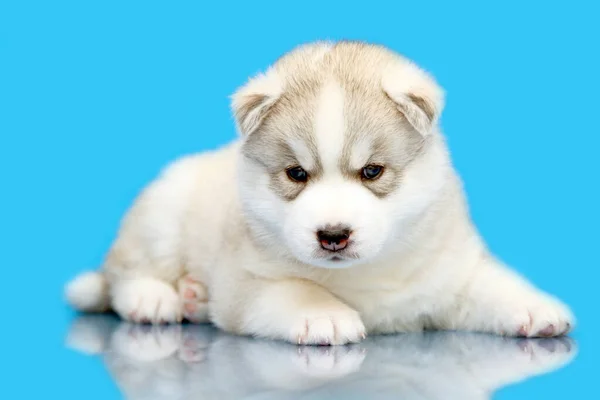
column 200, row 362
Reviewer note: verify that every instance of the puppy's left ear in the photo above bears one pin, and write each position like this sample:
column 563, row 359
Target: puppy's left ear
column 252, row 102
column 416, row 93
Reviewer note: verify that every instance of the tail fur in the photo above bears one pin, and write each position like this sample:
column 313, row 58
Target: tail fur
column 88, row 292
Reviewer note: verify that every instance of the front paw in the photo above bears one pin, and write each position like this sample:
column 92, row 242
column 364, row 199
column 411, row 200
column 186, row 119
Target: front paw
column 337, row 326
column 194, row 299
column 535, row 316
column 146, row 300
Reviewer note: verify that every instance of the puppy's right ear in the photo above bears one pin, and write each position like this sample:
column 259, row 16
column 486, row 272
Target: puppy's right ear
column 252, row 102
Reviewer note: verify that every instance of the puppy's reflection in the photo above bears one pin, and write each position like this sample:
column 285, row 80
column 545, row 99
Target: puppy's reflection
column 198, row 361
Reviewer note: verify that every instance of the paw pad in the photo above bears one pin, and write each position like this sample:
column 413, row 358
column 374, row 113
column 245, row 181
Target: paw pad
column 194, row 299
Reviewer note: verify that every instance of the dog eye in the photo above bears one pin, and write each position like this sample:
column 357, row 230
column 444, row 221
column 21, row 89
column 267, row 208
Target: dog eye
column 371, row 172
column 297, row 174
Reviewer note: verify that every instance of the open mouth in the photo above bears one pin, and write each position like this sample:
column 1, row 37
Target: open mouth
column 336, row 258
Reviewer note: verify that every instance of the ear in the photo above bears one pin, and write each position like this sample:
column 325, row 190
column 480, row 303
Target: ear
column 252, row 102
column 416, row 94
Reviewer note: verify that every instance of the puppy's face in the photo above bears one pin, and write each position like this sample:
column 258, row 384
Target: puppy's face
column 331, row 158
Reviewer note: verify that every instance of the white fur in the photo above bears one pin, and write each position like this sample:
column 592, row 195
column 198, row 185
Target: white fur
column 267, row 84
column 302, row 153
column 215, row 218
column 329, row 125
column 147, row 299
column 88, row 292
column 416, row 82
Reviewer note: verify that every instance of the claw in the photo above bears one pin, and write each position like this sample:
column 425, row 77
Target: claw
column 547, row 331
column 523, row 331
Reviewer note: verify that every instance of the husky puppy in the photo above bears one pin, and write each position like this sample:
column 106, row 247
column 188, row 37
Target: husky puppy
column 336, row 213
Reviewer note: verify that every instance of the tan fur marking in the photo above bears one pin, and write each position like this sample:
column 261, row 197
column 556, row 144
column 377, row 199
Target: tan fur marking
column 371, row 116
column 423, row 105
column 244, row 112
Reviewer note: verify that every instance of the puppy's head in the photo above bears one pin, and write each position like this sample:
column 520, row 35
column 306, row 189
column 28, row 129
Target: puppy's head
column 336, row 158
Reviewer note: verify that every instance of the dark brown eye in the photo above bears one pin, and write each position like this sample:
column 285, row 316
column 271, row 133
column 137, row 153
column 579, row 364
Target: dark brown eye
column 297, row 174
column 371, row 172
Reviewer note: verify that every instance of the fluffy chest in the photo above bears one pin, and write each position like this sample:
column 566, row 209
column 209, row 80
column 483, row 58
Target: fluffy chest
column 403, row 299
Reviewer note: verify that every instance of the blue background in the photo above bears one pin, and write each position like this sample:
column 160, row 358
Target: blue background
column 97, row 96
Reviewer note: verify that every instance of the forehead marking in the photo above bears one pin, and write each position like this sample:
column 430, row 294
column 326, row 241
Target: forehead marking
column 303, row 152
column 360, row 151
column 329, row 125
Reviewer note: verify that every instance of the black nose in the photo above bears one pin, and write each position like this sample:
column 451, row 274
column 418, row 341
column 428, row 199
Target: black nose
column 334, row 239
